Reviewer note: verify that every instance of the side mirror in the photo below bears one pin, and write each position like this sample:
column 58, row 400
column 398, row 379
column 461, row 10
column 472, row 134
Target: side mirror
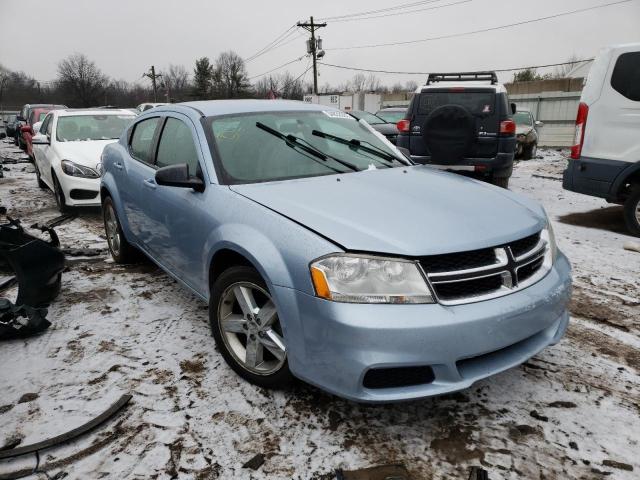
column 26, row 129
column 514, row 108
column 539, row 123
column 178, row 176
column 40, row 140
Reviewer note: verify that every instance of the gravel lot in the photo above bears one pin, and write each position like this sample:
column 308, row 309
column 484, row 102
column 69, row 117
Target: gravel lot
column 572, row 411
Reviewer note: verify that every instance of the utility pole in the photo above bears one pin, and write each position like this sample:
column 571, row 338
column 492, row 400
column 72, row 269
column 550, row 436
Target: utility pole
column 152, row 75
column 312, row 27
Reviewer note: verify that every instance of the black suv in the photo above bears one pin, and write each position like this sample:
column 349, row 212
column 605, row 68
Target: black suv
column 465, row 128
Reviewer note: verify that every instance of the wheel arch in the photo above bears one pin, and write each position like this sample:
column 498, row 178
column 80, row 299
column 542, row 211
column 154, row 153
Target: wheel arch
column 628, row 176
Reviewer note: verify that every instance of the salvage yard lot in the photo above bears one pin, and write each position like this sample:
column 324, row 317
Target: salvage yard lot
column 573, row 411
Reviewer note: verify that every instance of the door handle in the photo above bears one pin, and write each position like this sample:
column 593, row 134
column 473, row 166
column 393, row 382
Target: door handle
column 150, row 183
column 118, row 165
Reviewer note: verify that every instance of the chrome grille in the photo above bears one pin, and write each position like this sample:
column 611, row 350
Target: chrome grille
column 477, row 275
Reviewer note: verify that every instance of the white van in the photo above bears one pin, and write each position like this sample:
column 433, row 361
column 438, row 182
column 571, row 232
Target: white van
column 605, row 158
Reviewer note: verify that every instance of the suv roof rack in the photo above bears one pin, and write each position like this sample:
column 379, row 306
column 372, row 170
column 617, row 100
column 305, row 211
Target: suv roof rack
column 463, row 77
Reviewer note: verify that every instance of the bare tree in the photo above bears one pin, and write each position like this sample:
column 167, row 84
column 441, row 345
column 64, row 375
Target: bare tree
column 175, row 81
column 82, row 80
column 410, row 85
column 374, row 84
column 230, row 76
column 358, row 82
column 561, row 71
column 397, row 88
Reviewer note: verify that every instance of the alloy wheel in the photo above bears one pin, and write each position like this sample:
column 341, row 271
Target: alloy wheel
column 638, row 212
column 250, row 328
column 111, row 227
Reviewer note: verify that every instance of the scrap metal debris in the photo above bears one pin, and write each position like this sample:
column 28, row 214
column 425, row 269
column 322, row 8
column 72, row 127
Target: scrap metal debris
column 70, row 435
column 21, row 321
column 58, row 440
column 255, row 462
column 36, row 264
column 383, row 472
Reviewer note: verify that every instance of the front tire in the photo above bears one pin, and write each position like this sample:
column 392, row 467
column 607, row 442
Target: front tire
column 59, row 194
column 632, row 212
column 41, row 184
column 245, row 325
column 530, row 151
column 121, row 250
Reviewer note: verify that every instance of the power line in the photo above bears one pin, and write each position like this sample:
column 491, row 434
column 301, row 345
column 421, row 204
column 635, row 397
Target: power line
column 289, row 31
column 381, row 10
column 441, row 37
column 278, row 68
column 497, row 70
column 402, row 13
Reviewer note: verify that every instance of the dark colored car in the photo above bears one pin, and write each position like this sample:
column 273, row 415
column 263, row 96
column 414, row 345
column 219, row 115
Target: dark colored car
column 23, row 119
column 392, row 114
column 10, row 124
column 467, row 128
column 389, row 130
column 526, row 134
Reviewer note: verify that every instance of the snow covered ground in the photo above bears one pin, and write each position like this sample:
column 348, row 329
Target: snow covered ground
column 572, row 411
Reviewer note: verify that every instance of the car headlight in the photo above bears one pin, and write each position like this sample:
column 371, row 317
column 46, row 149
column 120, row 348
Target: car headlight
column 366, row 279
column 551, row 253
column 75, row 170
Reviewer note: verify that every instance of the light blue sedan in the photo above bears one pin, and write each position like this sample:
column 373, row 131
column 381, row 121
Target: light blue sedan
column 326, row 255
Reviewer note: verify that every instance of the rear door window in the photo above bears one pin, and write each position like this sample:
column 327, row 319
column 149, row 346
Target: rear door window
column 141, row 144
column 478, row 103
column 176, row 146
column 626, row 76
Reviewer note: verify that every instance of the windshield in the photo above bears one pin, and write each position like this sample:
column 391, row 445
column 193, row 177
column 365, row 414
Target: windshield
column 523, row 118
column 250, row 153
column 80, row 128
column 392, row 116
column 370, row 118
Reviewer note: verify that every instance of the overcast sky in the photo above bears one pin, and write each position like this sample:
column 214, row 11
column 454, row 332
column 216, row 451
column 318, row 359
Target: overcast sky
column 125, row 37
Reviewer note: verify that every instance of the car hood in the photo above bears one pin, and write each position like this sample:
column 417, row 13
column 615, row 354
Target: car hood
column 85, row 153
column 386, row 128
column 410, row 211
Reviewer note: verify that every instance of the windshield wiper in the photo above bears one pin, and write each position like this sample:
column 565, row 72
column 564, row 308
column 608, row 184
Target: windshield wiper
column 305, row 146
column 358, row 145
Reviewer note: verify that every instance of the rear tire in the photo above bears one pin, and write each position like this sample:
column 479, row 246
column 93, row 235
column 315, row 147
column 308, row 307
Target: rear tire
column 632, row 212
column 254, row 326
column 530, row 151
column 121, row 250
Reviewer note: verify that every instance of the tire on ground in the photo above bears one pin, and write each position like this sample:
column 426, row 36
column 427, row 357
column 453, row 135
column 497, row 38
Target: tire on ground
column 125, row 252
column 277, row 380
column 632, row 211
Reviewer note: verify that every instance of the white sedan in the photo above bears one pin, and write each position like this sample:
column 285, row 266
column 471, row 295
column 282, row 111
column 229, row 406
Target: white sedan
column 67, row 152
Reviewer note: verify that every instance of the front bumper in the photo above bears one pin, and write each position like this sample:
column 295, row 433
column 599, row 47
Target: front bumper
column 333, row 345
column 78, row 191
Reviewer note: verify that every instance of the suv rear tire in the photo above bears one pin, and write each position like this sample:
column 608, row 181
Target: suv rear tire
column 632, row 212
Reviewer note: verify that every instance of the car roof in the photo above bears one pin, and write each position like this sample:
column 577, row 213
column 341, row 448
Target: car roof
column 67, row 112
column 210, row 108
